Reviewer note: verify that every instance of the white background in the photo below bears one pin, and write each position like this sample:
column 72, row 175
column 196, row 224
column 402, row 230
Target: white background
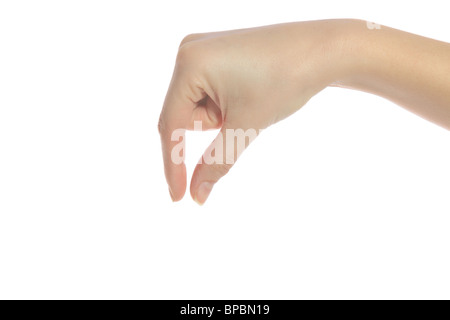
column 357, row 207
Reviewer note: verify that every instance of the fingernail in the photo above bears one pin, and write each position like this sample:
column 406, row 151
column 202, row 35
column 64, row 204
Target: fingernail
column 171, row 195
column 203, row 191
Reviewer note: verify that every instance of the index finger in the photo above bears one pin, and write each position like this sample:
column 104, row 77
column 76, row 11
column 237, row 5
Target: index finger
column 172, row 126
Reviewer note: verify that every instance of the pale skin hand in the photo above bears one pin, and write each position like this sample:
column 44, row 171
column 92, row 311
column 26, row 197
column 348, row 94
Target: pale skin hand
column 252, row 78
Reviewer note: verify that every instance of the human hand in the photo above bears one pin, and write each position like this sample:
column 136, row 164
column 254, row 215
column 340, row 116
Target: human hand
column 242, row 79
column 245, row 80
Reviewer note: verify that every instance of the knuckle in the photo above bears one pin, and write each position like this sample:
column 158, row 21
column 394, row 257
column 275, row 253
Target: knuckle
column 223, row 169
column 186, row 53
column 160, row 126
column 189, row 38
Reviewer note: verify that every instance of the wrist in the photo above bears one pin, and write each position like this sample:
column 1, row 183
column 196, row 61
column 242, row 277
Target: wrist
column 349, row 60
column 362, row 60
column 329, row 47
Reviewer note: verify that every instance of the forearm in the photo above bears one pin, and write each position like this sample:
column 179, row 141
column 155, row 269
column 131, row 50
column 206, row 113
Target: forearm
column 410, row 70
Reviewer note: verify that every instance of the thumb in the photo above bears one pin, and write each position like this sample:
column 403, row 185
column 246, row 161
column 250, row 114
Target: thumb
column 218, row 159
